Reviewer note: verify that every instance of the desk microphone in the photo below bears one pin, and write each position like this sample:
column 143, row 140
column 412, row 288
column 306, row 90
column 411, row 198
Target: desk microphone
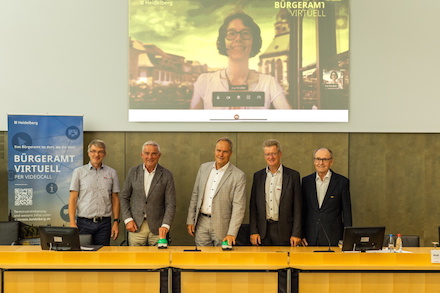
column 195, row 249
column 326, row 236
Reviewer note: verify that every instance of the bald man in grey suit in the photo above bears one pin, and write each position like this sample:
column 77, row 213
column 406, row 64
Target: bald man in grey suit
column 148, row 199
column 218, row 200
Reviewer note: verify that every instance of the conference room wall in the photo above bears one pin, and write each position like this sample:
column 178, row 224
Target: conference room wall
column 391, row 175
column 394, row 182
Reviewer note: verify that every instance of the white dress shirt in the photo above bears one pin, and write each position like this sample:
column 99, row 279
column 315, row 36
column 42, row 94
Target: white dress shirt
column 148, row 178
column 322, row 186
column 211, row 187
column 273, row 188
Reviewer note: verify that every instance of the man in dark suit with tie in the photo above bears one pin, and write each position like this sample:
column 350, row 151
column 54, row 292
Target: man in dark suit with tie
column 148, row 199
column 275, row 204
column 326, row 202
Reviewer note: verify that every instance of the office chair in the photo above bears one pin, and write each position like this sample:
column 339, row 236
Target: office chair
column 85, row 239
column 439, row 234
column 9, row 233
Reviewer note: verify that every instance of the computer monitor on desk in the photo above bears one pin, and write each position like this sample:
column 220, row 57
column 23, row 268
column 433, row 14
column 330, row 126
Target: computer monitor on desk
column 59, row 238
column 363, row 238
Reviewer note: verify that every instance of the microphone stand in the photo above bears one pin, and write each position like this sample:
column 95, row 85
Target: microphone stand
column 195, row 249
column 326, row 236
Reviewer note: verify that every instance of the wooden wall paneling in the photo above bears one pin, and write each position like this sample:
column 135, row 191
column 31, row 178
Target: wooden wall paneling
column 393, row 177
column 393, row 183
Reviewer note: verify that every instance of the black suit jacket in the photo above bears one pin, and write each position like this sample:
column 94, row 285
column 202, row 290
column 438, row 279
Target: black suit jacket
column 289, row 221
column 334, row 214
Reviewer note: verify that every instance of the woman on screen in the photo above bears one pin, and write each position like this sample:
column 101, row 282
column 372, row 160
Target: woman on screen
column 239, row 39
column 334, row 79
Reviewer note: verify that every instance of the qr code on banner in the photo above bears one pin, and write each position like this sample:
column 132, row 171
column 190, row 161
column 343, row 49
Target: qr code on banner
column 23, row 196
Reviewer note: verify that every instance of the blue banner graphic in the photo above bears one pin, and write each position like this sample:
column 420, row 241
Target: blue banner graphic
column 42, row 153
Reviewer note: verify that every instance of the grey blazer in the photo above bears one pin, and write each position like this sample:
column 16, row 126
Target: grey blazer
column 228, row 204
column 159, row 206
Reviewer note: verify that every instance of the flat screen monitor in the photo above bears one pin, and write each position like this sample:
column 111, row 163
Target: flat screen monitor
column 59, row 238
column 363, row 238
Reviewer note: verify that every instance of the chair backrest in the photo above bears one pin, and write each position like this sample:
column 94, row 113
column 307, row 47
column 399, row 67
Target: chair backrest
column 9, row 233
column 85, row 239
column 407, row 241
column 410, row 241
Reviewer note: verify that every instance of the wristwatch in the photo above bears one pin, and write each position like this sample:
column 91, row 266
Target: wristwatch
column 117, row 220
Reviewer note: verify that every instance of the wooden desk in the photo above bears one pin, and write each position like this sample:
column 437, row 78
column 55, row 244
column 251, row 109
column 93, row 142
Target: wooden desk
column 244, row 269
column 111, row 269
column 365, row 272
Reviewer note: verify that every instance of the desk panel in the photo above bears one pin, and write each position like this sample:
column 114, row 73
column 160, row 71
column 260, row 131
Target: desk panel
column 222, row 282
column 244, row 269
column 365, row 272
column 80, row 281
column 110, row 269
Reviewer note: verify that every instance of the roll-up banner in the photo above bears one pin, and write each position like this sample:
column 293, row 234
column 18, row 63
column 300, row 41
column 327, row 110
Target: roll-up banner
column 43, row 150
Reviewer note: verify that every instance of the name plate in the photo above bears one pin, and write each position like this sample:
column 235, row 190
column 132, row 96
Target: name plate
column 435, row 256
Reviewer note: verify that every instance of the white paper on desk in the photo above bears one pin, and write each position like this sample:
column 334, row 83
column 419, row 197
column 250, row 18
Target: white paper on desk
column 376, row 251
column 86, row 248
column 386, row 251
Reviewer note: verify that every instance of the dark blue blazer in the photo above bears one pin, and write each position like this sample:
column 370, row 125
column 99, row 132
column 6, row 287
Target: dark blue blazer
column 289, row 222
column 334, row 214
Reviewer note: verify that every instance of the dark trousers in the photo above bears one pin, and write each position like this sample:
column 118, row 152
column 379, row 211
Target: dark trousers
column 100, row 231
column 273, row 238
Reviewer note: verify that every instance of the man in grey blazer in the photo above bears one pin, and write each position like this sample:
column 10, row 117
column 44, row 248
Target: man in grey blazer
column 326, row 202
column 218, row 200
column 148, row 199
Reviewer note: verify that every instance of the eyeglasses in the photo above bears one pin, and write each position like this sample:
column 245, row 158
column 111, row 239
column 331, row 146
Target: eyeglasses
column 324, row 160
column 271, row 154
column 244, row 34
column 97, row 152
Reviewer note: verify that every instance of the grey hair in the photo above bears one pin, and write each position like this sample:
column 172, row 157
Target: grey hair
column 331, row 153
column 227, row 140
column 96, row 142
column 151, row 142
column 272, row 142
